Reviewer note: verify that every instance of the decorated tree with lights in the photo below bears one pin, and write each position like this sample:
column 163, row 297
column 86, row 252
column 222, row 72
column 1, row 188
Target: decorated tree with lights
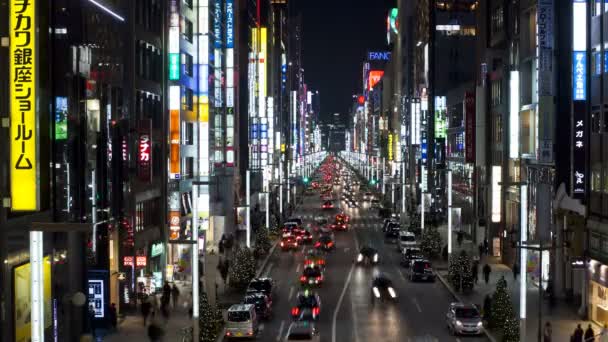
column 459, row 272
column 262, row 242
column 430, row 244
column 502, row 307
column 510, row 330
column 274, row 225
column 243, row 268
column 207, row 321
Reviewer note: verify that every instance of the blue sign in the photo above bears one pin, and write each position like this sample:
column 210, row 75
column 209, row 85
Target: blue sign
column 379, row 56
column 217, row 25
column 579, row 75
column 229, row 24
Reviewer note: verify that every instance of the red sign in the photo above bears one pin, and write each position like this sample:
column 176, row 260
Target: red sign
column 469, row 113
column 174, row 225
column 373, row 78
column 128, row 261
column 141, row 261
column 361, row 99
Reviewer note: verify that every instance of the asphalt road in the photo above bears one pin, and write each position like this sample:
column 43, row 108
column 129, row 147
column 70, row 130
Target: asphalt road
column 347, row 313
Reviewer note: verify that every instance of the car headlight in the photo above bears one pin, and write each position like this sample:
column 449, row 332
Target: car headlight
column 459, row 323
column 391, row 291
column 376, row 292
column 479, row 324
column 376, row 257
column 360, row 257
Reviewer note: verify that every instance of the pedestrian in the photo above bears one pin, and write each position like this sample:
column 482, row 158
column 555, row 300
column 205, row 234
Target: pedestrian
column 480, row 247
column 175, row 296
column 486, row 273
column 145, row 309
column 515, row 270
column 578, row 334
column 166, row 294
column 155, row 331
column 113, row 316
column 604, row 333
column 459, row 238
column 475, row 271
column 164, row 310
column 547, row 332
column 589, row 334
column 487, row 308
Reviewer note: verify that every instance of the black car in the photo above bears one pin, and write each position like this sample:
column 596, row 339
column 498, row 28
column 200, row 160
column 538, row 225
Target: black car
column 392, row 232
column 421, row 270
column 382, row 289
column 263, row 306
column 387, row 223
column 326, row 243
column 409, row 254
column 367, row 254
column 312, row 276
column 263, row 285
column 306, row 300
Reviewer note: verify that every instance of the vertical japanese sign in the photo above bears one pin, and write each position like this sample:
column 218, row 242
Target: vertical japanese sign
column 22, row 82
column 469, row 112
column 544, row 31
column 579, row 97
column 230, row 83
column 144, row 155
column 579, row 138
column 174, row 132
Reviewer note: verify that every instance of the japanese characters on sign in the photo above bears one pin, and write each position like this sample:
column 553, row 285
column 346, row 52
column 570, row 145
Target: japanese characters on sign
column 579, row 145
column 128, row 261
column 141, row 261
column 579, row 75
column 23, row 137
column 469, row 108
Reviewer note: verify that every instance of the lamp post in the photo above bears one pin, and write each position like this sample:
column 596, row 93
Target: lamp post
column 449, row 181
column 248, row 205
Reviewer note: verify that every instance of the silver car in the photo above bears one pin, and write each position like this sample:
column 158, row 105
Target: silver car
column 464, row 319
column 302, row 331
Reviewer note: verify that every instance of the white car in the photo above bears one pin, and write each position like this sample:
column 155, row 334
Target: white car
column 406, row 240
column 303, row 331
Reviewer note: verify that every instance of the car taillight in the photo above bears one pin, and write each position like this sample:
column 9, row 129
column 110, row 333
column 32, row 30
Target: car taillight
column 316, row 310
column 321, row 262
column 228, row 333
column 319, row 278
column 282, row 244
column 330, row 244
column 303, row 279
column 318, row 244
column 295, row 311
column 307, row 262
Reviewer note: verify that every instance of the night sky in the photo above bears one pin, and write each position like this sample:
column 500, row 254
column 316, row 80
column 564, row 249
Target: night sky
column 336, row 36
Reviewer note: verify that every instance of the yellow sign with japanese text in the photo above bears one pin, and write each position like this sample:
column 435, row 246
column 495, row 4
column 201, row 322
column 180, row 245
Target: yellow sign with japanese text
column 390, row 146
column 22, row 55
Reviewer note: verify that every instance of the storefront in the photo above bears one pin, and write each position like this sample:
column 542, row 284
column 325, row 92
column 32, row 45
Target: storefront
column 598, row 292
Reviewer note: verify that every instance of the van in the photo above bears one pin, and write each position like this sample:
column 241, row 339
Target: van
column 242, row 321
column 406, row 240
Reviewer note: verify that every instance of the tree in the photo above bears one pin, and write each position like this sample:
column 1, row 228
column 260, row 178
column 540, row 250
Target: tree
column 502, row 308
column 510, row 330
column 274, row 225
column 430, row 242
column 207, row 322
column 262, row 242
column 459, row 272
column 243, row 268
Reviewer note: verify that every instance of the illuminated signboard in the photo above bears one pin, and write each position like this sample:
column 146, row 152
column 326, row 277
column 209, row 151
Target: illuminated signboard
column 379, row 56
column 496, row 189
column 514, row 115
column 469, row 114
column 229, row 24
column 22, row 85
column 141, row 261
column 415, row 122
column 174, row 132
column 394, row 20
column 579, row 50
column 128, row 261
column 390, row 146
column 174, row 66
column 440, row 117
column 144, row 158
column 579, row 146
column 217, row 25
column 61, row 118
column 373, row 78
column 157, row 249
column 174, row 225
column 96, row 297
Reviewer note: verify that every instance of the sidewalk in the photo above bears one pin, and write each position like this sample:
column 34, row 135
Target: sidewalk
column 562, row 315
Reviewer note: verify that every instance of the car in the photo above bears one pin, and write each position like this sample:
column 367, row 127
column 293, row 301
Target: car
column 421, row 269
column 327, row 205
column 382, row 289
column 306, row 299
column 242, row 321
column 325, row 242
column 263, row 306
column 302, row 332
column 295, row 220
column 392, row 232
column 312, row 276
column 288, row 242
column 325, row 230
column 375, row 204
column 339, row 226
column 367, row 255
column 409, row 254
column 406, row 240
column 303, row 236
column 314, row 258
column 264, row 285
column 368, row 196
column 290, row 228
column 464, row 319
column 387, row 223
column 342, row 217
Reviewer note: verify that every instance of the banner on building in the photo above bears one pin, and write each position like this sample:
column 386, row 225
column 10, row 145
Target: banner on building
column 469, row 113
column 22, row 97
column 144, row 151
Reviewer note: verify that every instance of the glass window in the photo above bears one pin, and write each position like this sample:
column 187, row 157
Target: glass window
column 596, row 177
column 605, row 178
column 188, row 65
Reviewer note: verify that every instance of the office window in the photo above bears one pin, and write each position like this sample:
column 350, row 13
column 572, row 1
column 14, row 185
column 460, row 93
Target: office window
column 497, row 20
column 496, row 93
column 595, row 122
column 596, row 62
column 188, row 65
column 187, row 29
column 596, row 177
column 188, row 3
column 188, row 100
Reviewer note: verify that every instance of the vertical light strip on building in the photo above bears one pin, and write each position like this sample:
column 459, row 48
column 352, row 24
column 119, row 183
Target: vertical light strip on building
column 514, row 115
column 263, row 127
column 218, row 114
column 496, row 189
column 230, row 83
column 23, row 119
column 294, row 128
column 174, row 60
column 203, row 96
column 174, row 132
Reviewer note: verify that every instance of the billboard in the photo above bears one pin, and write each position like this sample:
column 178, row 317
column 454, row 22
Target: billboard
column 144, row 151
column 469, row 138
column 22, row 98
column 61, row 118
column 174, row 132
column 373, row 78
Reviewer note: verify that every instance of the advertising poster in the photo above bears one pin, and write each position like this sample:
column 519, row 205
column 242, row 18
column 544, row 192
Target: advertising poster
column 241, row 218
column 22, row 309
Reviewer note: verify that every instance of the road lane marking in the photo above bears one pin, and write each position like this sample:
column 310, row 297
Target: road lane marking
column 268, row 269
column 298, row 268
column 337, row 309
column 401, row 274
column 290, row 293
column 279, row 335
column 417, row 305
